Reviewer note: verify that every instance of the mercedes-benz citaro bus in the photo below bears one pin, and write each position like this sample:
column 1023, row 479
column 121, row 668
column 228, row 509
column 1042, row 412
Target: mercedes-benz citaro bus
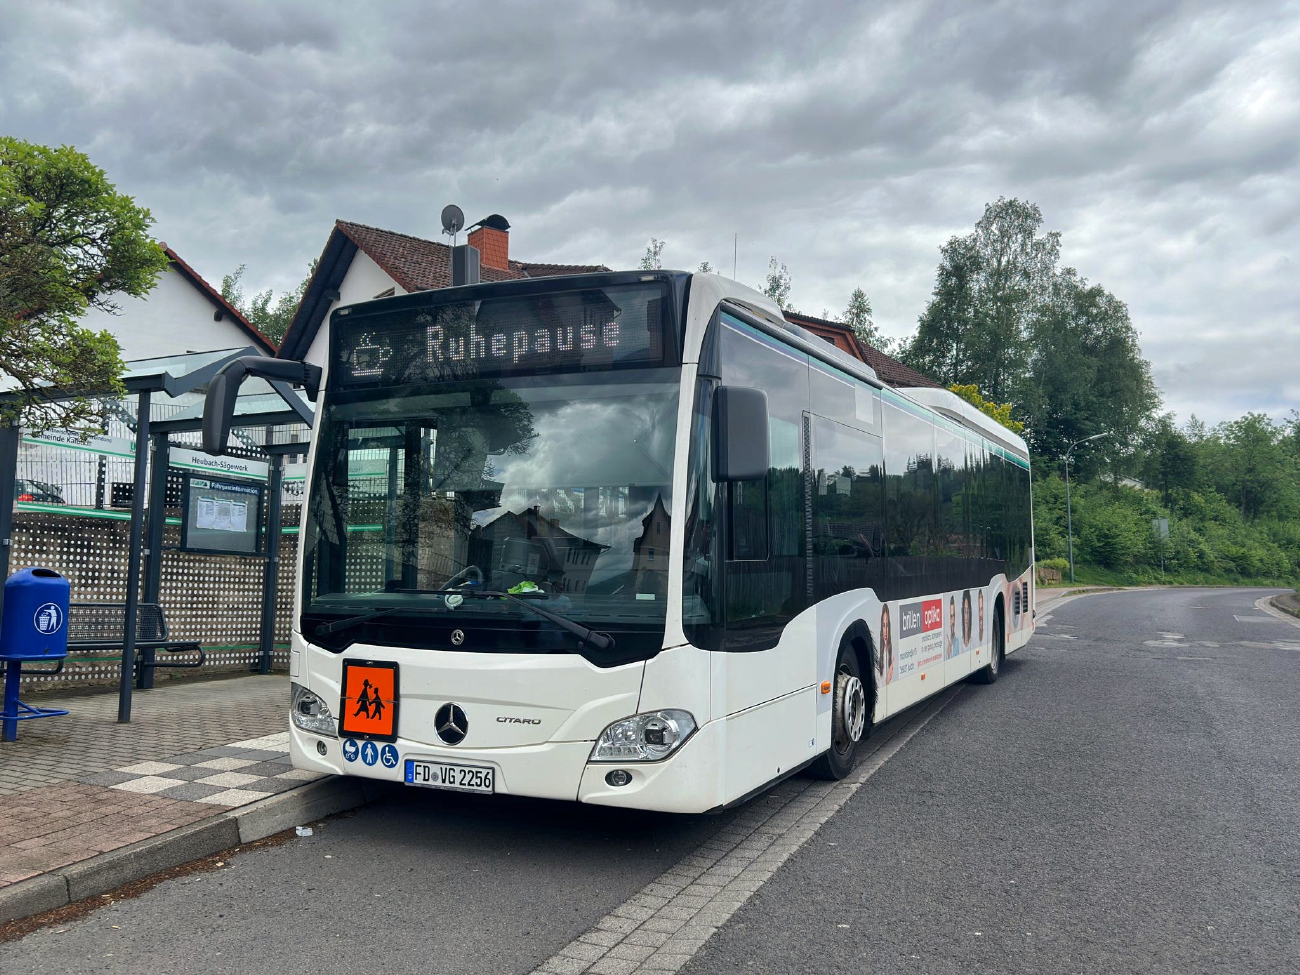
column 632, row 539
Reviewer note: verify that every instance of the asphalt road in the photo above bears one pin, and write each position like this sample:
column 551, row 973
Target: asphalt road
column 1124, row 799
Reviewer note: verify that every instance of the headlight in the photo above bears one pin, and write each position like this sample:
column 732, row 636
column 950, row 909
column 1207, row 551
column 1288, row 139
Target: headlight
column 644, row 737
column 310, row 712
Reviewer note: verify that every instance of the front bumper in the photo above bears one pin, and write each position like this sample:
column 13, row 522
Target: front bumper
column 685, row 782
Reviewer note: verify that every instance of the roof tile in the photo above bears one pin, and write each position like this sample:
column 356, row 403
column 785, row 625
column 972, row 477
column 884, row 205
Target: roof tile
column 418, row 264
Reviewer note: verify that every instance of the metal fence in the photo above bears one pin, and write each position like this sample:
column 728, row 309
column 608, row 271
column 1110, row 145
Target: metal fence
column 81, row 478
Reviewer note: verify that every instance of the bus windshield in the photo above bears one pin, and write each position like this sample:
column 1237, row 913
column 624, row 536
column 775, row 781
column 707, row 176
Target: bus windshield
column 555, row 488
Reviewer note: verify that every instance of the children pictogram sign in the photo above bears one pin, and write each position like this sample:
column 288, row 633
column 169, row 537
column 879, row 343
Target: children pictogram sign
column 369, row 705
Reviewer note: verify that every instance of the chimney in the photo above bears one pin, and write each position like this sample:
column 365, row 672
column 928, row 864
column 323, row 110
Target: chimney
column 491, row 236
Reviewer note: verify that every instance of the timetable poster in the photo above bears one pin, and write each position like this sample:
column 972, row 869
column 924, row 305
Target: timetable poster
column 223, row 516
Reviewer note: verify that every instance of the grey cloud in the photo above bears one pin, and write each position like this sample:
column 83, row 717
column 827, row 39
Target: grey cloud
column 849, row 140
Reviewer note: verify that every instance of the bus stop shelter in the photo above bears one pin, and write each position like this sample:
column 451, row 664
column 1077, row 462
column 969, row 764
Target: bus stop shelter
column 261, row 404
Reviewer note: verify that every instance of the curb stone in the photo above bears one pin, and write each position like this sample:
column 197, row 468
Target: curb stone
column 108, row 871
column 1281, row 602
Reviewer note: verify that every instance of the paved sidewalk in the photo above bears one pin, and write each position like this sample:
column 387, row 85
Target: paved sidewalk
column 77, row 786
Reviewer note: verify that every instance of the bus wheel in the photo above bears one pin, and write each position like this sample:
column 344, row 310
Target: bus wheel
column 849, row 718
column 997, row 653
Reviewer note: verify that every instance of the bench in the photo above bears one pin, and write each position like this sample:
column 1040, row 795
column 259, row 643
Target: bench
column 102, row 626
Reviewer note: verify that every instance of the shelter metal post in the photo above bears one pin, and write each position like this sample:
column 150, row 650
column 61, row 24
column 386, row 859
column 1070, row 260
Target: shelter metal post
column 133, row 558
column 271, row 571
column 154, row 545
column 10, row 434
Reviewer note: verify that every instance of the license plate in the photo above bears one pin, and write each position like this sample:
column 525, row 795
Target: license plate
column 443, row 775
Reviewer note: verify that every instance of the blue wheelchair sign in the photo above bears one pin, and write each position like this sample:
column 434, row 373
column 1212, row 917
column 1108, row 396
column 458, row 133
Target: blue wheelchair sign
column 388, row 755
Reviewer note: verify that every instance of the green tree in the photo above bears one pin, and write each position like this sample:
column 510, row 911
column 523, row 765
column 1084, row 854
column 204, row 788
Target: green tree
column 857, row 316
column 998, row 411
column 652, row 260
column 267, row 313
column 69, row 242
column 1253, row 468
column 1085, row 374
column 1170, row 461
column 976, row 326
column 706, row 268
column 777, row 285
column 939, row 348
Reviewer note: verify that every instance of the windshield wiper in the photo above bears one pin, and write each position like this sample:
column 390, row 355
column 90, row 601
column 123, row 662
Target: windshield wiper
column 601, row 641
column 350, row 621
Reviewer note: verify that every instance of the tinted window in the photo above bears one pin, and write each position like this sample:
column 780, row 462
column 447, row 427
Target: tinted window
column 951, row 538
column 766, row 584
column 848, row 517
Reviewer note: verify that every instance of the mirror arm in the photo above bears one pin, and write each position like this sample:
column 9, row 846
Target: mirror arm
column 223, row 392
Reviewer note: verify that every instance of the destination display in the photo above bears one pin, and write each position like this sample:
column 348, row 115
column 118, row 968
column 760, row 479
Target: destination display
column 596, row 328
column 222, row 516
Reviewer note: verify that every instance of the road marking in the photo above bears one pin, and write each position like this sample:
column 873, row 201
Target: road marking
column 662, row 926
column 1256, row 619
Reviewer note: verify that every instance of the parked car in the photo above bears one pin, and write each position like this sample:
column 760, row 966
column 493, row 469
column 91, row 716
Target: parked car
column 28, row 490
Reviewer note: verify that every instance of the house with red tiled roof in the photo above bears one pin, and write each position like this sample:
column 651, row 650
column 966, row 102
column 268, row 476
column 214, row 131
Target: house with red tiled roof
column 183, row 313
column 889, row 369
column 360, row 262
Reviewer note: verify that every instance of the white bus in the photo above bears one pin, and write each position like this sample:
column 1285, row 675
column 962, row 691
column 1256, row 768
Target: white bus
column 633, row 539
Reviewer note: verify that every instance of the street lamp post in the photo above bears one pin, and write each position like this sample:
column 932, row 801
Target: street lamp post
column 1069, row 518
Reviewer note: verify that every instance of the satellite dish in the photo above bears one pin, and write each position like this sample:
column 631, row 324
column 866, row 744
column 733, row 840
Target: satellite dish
column 453, row 219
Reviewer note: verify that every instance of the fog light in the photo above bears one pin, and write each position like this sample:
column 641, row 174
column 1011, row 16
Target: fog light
column 320, row 748
column 619, row 777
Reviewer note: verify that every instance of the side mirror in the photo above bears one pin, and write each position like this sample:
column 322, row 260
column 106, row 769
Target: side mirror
column 223, row 391
column 739, row 434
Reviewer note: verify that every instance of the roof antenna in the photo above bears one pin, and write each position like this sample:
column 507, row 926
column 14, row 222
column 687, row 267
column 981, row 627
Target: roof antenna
column 735, row 250
column 453, row 219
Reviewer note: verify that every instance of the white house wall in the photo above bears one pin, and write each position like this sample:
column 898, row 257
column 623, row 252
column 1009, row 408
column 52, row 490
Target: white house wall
column 174, row 318
column 365, row 280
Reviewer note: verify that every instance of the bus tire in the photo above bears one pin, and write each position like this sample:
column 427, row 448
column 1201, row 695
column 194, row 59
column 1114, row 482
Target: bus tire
column 850, row 717
column 988, row 674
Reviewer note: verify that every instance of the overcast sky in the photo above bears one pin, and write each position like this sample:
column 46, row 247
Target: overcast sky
column 848, row 140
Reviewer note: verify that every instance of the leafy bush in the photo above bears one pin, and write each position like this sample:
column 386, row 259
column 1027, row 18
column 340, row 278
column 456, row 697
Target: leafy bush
column 1114, row 539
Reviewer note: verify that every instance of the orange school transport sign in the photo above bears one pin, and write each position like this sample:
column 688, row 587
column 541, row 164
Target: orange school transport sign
column 369, row 705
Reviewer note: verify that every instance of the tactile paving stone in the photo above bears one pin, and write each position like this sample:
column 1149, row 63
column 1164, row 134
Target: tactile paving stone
column 167, row 724
column 228, row 775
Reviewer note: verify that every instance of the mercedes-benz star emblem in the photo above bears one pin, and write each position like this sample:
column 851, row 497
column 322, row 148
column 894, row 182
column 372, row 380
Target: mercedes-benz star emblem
column 451, row 724
column 457, row 637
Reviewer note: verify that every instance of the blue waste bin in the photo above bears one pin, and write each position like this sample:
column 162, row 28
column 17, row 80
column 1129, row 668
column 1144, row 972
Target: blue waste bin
column 35, row 621
column 34, row 626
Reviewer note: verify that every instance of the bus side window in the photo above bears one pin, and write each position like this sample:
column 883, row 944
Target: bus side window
column 747, row 514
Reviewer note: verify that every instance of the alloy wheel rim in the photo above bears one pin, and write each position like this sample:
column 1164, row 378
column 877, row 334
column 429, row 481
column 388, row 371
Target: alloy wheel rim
column 853, row 709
